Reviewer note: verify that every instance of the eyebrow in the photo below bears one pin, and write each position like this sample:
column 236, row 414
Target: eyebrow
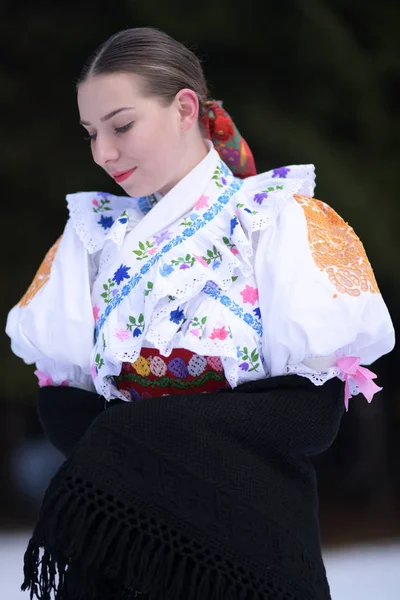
column 110, row 115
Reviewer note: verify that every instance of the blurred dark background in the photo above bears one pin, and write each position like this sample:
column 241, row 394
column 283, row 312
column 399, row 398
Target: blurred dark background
column 314, row 81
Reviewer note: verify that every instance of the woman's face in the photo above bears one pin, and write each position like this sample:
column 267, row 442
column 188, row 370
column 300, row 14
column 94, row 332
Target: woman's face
column 132, row 135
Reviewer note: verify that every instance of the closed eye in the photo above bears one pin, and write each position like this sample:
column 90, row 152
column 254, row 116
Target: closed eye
column 118, row 130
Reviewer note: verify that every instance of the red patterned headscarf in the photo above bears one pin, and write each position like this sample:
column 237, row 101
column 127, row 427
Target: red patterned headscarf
column 230, row 145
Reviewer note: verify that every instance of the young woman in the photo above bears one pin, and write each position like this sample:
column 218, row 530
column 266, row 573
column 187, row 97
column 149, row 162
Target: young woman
column 221, row 317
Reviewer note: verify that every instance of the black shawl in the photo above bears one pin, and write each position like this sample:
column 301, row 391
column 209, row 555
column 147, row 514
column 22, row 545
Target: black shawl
column 187, row 497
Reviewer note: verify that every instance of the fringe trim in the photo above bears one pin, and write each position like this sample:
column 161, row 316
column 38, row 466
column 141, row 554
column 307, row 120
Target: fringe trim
column 79, row 552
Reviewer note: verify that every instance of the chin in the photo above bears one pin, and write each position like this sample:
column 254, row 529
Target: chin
column 137, row 191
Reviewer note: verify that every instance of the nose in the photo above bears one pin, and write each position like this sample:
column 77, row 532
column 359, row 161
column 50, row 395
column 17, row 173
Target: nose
column 104, row 150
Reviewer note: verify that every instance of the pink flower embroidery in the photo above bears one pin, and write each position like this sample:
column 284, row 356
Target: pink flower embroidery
column 201, row 260
column 95, row 202
column 152, row 251
column 122, row 334
column 219, row 333
column 202, row 202
column 234, row 251
column 45, row 380
column 249, row 294
column 195, row 332
column 96, row 312
column 93, row 371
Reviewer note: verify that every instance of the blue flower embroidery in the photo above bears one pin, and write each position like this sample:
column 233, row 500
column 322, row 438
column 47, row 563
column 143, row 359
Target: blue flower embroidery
column 123, row 220
column 194, row 216
column 166, row 270
column 216, row 265
column 137, row 332
column 121, row 274
column 225, row 300
column 176, row 316
column 106, row 222
column 257, row 312
column 234, row 222
column 247, row 210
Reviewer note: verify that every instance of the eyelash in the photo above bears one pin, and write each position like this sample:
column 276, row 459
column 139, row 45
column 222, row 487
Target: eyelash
column 118, row 130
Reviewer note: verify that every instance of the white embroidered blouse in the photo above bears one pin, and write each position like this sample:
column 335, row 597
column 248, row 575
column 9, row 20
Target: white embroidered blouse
column 256, row 272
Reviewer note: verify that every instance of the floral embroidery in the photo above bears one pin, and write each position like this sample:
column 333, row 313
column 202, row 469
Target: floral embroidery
column 146, row 203
column 149, row 288
column 176, row 316
column 99, row 362
column 241, row 205
column 106, row 222
column 249, row 294
column 201, row 260
column 162, row 237
column 198, row 326
column 234, row 223
column 45, row 380
column 220, row 333
column 212, row 257
column 281, row 172
column 259, row 198
column 250, row 361
column 184, row 263
column 202, row 202
column 124, row 218
column 231, row 246
column 214, row 292
column 166, row 270
column 188, row 221
column 336, row 249
column 108, row 294
column 122, row 334
column 218, row 177
column 257, row 312
column 96, row 312
column 136, row 327
column 102, row 206
column 121, row 273
column 143, row 251
column 42, row 275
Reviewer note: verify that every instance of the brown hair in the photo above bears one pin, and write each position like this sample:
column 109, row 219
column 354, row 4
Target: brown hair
column 166, row 65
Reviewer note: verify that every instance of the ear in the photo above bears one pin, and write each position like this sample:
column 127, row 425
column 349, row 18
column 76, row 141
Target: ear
column 188, row 107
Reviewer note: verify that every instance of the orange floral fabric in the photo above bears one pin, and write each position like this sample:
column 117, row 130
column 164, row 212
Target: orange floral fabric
column 41, row 276
column 336, row 249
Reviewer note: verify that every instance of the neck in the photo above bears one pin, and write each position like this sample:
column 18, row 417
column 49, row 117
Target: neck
column 194, row 152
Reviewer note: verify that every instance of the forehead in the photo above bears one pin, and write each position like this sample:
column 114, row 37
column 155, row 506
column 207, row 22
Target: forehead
column 102, row 93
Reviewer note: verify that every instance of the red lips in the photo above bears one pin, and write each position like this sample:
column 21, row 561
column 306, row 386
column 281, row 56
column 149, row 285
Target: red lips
column 122, row 175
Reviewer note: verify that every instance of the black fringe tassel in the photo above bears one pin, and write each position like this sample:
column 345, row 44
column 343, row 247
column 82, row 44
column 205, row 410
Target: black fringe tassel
column 78, row 552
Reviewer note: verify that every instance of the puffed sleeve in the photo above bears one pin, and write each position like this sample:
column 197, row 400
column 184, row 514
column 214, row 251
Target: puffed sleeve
column 53, row 324
column 322, row 311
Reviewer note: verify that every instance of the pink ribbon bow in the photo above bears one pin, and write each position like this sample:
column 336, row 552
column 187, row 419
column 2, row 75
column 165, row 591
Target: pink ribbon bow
column 45, row 380
column 361, row 376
